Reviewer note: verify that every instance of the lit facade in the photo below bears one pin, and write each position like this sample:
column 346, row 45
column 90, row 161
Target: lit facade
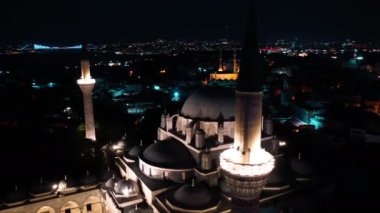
column 87, row 84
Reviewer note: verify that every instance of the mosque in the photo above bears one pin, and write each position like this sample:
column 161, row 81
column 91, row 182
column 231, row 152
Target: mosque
column 223, row 74
column 216, row 155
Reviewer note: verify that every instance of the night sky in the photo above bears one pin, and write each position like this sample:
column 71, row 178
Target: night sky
column 70, row 21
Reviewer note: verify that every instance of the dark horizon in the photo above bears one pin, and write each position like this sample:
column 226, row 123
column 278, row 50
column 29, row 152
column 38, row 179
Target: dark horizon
column 121, row 21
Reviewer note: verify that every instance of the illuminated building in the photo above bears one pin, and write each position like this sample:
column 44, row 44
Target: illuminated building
column 191, row 167
column 221, row 68
column 222, row 74
column 86, row 84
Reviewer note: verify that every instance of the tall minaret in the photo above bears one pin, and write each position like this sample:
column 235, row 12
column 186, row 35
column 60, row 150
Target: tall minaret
column 246, row 166
column 86, row 84
column 235, row 62
column 220, row 61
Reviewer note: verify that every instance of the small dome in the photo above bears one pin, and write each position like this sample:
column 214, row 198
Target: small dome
column 223, row 186
column 210, row 103
column 15, row 196
column 197, row 197
column 281, row 174
column 302, row 167
column 168, row 154
column 65, row 184
column 41, row 188
column 277, row 178
column 136, row 210
column 126, row 187
column 89, row 179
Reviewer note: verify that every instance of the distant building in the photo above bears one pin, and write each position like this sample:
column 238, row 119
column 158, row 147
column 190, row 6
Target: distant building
column 223, row 74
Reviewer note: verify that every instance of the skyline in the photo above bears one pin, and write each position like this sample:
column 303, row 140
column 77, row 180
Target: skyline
column 120, row 21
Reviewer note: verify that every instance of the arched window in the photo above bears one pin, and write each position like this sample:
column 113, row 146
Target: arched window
column 92, row 205
column 46, row 209
column 70, row 207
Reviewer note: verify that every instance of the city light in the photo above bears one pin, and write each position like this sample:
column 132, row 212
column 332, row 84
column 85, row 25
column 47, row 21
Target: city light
column 176, row 96
column 156, row 87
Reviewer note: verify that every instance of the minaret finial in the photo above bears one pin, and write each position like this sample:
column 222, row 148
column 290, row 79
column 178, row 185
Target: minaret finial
column 65, row 177
column 141, row 142
column 299, row 155
column 193, row 182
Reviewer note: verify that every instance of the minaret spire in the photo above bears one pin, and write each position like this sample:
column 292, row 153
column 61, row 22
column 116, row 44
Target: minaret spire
column 248, row 104
column 246, row 166
column 235, row 62
column 220, row 61
column 250, row 74
column 86, row 84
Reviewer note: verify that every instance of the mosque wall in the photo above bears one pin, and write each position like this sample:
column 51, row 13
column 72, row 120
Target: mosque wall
column 77, row 203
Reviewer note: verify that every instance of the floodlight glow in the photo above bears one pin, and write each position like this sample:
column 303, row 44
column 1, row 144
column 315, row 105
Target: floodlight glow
column 261, row 163
column 54, row 187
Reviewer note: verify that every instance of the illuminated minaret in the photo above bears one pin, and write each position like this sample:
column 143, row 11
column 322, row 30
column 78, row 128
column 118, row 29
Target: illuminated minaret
column 220, row 61
column 235, row 62
column 86, row 84
column 246, row 165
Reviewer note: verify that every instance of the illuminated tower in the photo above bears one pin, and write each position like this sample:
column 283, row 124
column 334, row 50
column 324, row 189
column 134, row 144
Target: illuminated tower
column 220, row 69
column 86, row 84
column 236, row 68
column 246, row 166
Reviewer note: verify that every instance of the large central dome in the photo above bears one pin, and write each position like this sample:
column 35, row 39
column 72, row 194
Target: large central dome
column 210, row 103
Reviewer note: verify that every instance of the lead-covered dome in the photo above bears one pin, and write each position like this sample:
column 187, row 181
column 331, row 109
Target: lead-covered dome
column 168, row 154
column 126, row 187
column 194, row 197
column 210, row 103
